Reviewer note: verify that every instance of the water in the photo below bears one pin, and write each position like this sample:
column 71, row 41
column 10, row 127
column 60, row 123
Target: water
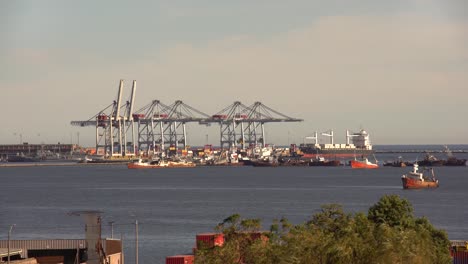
column 173, row 205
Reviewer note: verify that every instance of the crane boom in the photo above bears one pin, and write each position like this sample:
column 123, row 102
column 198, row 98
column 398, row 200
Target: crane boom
column 132, row 101
column 119, row 101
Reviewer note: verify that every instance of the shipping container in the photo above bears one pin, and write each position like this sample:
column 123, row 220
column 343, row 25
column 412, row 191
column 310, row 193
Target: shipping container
column 219, row 116
column 137, row 117
column 161, row 116
column 460, row 257
column 241, row 116
column 209, row 240
column 180, row 259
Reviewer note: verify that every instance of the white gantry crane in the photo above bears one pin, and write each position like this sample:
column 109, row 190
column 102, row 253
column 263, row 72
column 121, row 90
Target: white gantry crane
column 243, row 126
column 112, row 128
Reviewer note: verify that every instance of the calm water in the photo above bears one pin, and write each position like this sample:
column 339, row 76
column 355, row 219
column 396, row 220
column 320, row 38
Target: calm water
column 173, row 205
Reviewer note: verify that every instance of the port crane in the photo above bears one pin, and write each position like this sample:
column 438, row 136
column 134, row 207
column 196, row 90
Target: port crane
column 258, row 116
column 160, row 127
column 178, row 115
column 163, row 127
column 112, row 127
column 245, row 125
column 230, row 120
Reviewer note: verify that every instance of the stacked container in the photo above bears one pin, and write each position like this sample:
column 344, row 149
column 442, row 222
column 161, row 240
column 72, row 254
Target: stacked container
column 180, row 259
column 209, row 240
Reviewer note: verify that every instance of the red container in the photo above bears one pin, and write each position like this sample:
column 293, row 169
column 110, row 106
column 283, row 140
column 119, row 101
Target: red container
column 460, row 257
column 137, row 117
column 209, row 240
column 219, row 116
column 180, row 259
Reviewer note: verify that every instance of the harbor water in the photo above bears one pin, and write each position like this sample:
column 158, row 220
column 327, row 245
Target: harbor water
column 173, row 205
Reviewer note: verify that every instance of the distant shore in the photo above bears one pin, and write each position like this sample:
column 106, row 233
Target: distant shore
column 47, row 164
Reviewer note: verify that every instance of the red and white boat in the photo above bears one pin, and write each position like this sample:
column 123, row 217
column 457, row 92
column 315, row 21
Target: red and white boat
column 363, row 164
column 419, row 180
column 159, row 164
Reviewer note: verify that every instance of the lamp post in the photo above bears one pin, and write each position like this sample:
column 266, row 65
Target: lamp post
column 9, row 236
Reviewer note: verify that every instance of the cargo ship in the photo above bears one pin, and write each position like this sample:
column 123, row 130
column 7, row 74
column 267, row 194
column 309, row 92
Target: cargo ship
column 360, row 146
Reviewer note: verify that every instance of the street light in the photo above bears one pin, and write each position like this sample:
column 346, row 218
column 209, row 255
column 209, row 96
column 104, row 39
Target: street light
column 9, row 235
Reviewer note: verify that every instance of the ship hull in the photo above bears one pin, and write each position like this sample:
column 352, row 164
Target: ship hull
column 335, row 153
column 355, row 164
column 327, row 163
column 417, row 184
column 136, row 165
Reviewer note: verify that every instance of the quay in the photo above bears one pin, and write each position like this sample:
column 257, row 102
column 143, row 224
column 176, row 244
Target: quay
column 58, row 164
column 419, row 151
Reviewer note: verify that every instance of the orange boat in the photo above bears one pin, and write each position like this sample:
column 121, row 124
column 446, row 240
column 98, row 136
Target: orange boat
column 363, row 164
column 419, row 180
column 159, row 164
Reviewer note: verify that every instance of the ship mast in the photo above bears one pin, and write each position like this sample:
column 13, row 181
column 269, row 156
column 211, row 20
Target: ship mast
column 315, row 137
column 330, row 134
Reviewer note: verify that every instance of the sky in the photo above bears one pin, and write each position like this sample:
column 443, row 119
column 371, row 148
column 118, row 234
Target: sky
column 398, row 69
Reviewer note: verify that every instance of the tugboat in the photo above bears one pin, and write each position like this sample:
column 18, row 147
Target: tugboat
column 419, row 180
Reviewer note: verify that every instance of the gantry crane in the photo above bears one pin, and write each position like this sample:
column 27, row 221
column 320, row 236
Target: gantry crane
column 149, row 121
column 162, row 127
column 239, row 124
column 112, row 127
column 231, row 125
column 257, row 117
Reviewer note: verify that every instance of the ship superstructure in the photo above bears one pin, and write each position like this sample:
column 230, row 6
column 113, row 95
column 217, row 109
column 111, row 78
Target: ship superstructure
column 360, row 146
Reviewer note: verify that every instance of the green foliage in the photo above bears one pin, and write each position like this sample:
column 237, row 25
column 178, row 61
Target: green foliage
column 389, row 233
column 393, row 211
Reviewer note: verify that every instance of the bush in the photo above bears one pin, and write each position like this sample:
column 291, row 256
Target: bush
column 389, row 233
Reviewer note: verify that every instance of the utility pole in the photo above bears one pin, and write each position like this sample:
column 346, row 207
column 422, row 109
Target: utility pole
column 9, row 236
column 136, row 241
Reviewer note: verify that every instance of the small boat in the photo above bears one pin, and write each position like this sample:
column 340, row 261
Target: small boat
column 263, row 163
column 321, row 161
column 363, row 164
column 291, row 161
column 159, row 164
column 431, row 160
column 397, row 163
column 419, row 180
column 452, row 160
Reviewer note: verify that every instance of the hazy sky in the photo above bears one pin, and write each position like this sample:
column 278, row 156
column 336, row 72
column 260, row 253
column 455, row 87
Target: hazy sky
column 399, row 69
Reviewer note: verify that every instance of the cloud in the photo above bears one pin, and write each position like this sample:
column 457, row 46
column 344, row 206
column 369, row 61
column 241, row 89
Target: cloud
column 340, row 72
column 344, row 58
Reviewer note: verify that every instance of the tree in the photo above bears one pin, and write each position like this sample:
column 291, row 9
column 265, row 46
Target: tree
column 389, row 233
